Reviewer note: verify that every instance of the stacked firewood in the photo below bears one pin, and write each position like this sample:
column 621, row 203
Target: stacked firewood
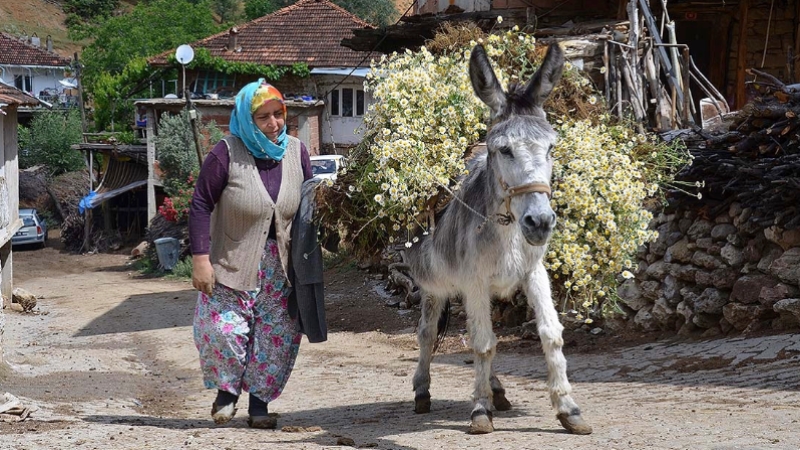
column 755, row 161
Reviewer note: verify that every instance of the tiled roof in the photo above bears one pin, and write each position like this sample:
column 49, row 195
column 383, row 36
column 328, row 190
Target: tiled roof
column 13, row 96
column 14, row 51
column 307, row 32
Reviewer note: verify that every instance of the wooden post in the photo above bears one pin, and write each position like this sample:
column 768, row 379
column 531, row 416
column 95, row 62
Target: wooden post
column 794, row 74
column 87, row 213
column 633, row 41
column 741, row 58
column 687, row 96
column 151, row 161
column 606, row 74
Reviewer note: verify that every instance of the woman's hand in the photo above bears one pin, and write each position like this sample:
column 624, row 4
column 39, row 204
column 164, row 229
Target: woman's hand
column 202, row 274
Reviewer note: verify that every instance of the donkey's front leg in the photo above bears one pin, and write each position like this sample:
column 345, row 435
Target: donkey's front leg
column 539, row 298
column 483, row 342
column 426, row 337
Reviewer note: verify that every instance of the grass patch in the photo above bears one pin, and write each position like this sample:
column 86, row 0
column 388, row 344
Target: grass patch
column 342, row 261
column 146, row 266
column 182, row 270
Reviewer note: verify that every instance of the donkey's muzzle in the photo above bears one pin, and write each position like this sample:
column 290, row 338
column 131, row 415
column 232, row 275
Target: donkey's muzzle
column 537, row 228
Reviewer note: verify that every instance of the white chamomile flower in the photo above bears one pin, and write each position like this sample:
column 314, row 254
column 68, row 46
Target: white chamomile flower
column 627, row 274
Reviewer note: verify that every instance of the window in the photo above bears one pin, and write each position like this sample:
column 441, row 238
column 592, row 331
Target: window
column 23, row 83
column 347, row 102
column 359, row 102
column 209, row 82
column 335, row 102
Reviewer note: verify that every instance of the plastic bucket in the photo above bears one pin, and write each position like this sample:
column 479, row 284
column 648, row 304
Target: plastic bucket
column 168, row 249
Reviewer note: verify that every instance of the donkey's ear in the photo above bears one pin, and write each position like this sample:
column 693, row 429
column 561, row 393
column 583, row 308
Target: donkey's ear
column 547, row 77
column 484, row 81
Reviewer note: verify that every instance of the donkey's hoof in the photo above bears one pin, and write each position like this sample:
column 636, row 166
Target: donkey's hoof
column 422, row 403
column 481, row 422
column 500, row 401
column 574, row 423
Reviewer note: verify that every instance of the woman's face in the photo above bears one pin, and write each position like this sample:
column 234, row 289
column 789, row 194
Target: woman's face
column 269, row 119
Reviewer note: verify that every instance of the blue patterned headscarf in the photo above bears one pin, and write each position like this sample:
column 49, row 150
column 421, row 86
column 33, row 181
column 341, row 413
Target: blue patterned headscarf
column 249, row 99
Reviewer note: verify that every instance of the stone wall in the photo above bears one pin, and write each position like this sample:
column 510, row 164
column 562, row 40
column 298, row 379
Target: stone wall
column 716, row 275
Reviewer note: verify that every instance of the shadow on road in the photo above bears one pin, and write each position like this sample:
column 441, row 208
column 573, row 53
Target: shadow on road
column 368, row 424
column 141, row 312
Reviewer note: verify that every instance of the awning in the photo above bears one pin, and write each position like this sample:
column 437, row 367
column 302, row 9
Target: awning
column 120, row 177
column 360, row 72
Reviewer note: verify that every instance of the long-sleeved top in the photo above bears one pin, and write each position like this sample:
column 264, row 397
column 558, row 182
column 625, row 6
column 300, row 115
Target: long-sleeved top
column 211, row 183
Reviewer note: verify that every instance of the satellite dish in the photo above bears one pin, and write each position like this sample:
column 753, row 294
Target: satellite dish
column 184, row 54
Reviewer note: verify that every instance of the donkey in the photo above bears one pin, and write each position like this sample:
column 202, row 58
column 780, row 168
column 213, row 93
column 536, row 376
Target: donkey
column 473, row 256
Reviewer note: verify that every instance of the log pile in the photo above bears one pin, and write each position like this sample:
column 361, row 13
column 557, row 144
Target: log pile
column 647, row 74
column 755, row 161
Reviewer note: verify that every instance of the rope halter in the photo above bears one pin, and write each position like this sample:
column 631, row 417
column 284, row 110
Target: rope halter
column 508, row 217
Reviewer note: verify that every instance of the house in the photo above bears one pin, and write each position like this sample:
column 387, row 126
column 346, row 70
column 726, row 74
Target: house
column 37, row 70
column 10, row 100
column 329, row 102
column 724, row 38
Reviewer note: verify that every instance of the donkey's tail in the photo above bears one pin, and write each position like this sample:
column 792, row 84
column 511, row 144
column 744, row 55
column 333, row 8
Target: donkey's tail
column 442, row 325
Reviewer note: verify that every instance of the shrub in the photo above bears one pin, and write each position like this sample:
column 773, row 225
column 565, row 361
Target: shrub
column 177, row 157
column 183, row 269
column 47, row 142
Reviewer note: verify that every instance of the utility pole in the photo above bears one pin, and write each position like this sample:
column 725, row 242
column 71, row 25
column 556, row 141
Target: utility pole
column 87, row 214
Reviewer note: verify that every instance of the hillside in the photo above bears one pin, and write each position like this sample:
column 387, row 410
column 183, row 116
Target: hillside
column 42, row 17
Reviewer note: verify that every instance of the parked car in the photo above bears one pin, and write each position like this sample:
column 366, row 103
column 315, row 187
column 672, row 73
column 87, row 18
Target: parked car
column 327, row 166
column 33, row 231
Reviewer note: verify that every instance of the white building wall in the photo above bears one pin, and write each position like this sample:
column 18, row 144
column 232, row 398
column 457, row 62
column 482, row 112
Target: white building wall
column 336, row 129
column 41, row 78
column 9, row 201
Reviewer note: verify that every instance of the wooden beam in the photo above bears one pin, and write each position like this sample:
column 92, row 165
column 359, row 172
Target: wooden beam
column 796, row 73
column 741, row 54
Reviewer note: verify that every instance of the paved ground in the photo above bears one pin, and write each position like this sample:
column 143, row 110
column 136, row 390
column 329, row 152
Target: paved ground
column 111, row 365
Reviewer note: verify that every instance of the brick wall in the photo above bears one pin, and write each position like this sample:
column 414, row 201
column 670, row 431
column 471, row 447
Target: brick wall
column 314, row 141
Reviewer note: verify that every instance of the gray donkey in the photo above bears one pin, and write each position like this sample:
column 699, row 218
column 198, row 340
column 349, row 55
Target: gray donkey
column 491, row 239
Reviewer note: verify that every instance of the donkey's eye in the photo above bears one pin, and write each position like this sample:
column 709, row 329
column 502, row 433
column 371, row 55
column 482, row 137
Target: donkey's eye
column 550, row 149
column 505, row 150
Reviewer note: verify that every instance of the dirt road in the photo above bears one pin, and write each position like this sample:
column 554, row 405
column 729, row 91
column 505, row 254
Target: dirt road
column 109, row 361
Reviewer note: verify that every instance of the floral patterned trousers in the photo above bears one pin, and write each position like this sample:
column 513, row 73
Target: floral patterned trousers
column 246, row 339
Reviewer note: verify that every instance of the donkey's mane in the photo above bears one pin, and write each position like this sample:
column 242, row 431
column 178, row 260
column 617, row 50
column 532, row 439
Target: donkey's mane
column 519, row 103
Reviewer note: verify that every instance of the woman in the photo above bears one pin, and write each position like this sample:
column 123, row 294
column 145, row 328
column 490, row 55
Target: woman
column 246, row 196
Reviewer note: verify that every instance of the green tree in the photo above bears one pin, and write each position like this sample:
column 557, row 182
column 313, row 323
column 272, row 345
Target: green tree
column 83, row 12
column 227, row 10
column 47, row 142
column 376, row 12
column 114, row 65
column 253, row 9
